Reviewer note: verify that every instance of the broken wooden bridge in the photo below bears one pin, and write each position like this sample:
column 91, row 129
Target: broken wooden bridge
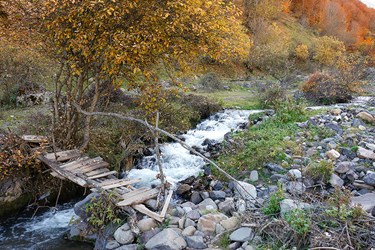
column 93, row 173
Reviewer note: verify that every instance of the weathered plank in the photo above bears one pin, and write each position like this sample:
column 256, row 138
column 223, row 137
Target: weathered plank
column 166, row 204
column 34, row 138
column 139, row 198
column 54, row 166
column 102, row 175
column 96, row 172
column 54, row 174
column 73, row 163
column 89, row 168
column 63, row 155
column 134, row 193
column 84, row 163
column 119, row 184
column 143, row 209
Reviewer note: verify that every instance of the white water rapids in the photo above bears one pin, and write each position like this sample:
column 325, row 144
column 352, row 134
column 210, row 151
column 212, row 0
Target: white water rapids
column 178, row 164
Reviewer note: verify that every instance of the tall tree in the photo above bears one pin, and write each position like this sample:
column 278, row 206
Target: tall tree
column 102, row 43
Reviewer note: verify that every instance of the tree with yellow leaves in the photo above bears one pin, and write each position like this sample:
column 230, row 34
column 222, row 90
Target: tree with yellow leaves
column 103, row 43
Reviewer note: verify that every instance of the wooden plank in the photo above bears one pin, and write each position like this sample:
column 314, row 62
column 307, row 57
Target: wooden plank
column 144, row 210
column 54, row 174
column 96, row 172
column 139, row 198
column 134, row 192
column 69, row 164
column 110, row 181
column 84, row 163
column 166, row 204
column 119, row 184
column 89, row 168
column 102, row 175
column 63, row 155
column 54, row 166
column 34, row 138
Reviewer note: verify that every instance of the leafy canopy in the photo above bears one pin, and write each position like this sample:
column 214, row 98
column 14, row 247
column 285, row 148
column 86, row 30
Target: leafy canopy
column 127, row 39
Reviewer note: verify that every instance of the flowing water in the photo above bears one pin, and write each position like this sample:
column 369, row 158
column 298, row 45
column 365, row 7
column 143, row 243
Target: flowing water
column 46, row 229
column 43, row 231
column 178, row 164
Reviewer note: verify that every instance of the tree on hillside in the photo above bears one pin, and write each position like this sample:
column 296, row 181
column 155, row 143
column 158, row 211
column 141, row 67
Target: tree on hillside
column 102, row 44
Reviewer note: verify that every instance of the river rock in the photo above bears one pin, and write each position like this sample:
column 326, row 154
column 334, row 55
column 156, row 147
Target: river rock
column 195, row 242
column 295, row 174
column 193, row 215
column 333, row 154
column 207, row 204
column 189, row 223
column 344, row 166
column 367, row 201
column 230, row 223
column 336, row 181
column 254, row 176
column 206, row 223
column 189, row 231
column 196, row 197
column 336, row 111
column 217, row 195
column 124, row 235
column 128, row 247
column 274, row 167
column 365, row 154
column 167, row 239
column 295, row 187
column 112, row 244
column 146, row 224
column 245, row 190
column 369, row 178
column 227, row 206
column 288, row 204
column 183, row 189
column 365, row 116
column 242, row 234
column 146, row 236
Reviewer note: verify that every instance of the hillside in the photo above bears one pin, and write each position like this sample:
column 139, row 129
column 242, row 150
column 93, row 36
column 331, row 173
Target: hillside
column 350, row 21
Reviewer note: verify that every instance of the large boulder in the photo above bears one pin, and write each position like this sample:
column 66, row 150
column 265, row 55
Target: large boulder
column 168, row 239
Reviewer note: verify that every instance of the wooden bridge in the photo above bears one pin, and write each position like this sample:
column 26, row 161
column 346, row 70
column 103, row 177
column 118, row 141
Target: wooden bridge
column 93, row 173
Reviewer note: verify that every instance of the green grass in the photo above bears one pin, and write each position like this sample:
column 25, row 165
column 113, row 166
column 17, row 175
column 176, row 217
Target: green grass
column 264, row 143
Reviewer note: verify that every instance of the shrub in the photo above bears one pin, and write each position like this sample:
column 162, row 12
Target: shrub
column 16, row 157
column 102, row 211
column 320, row 171
column 323, row 88
column 302, row 52
column 299, row 221
column 211, row 81
column 328, row 50
column 273, row 206
column 272, row 95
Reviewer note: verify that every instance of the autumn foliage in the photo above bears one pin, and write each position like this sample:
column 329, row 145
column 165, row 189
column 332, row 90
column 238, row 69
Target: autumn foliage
column 350, row 21
column 16, row 157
